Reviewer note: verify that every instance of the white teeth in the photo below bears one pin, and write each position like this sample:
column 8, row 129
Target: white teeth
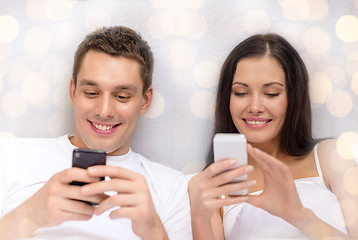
column 256, row 122
column 102, row 127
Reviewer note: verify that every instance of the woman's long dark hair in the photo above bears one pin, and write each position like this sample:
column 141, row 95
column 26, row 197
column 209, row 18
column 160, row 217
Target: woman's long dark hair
column 296, row 134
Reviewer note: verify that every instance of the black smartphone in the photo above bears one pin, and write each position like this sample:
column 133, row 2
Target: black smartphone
column 85, row 158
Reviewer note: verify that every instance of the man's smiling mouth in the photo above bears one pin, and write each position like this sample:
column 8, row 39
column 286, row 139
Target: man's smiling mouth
column 103, row 127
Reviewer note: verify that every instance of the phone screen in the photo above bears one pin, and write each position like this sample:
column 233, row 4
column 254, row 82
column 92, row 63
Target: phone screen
column 85, row 158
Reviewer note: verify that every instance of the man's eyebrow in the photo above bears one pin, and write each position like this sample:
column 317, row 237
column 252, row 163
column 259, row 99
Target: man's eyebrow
column 130, row 87
column 84, row 82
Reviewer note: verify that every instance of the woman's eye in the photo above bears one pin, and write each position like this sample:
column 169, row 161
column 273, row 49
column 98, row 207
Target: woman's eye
column 272, row 94
column 241, row 94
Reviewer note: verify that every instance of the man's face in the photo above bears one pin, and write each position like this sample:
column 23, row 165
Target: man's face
column 107, row 101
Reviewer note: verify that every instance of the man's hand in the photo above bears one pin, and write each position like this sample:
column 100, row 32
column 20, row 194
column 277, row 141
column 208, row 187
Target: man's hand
column 53, row 204
column 133, row 199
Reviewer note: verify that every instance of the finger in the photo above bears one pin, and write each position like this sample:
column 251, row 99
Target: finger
column 218, row 167
column 112, row 172
column 268, row 163
column 230, row 175
column 263, row 159
column 117, row 185
column 75, row 174
column 75, row 207
column 229, row 188
column 74, row 192
column 121, row 200
column 221, row 202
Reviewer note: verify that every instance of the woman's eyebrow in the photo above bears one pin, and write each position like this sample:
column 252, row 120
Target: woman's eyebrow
column 273, row 83
column 240, row 83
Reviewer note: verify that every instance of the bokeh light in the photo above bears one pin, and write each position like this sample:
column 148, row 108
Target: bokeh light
column 344, row 143
column 354, row 83
column 317, row 42
column 158, row 105
column 17, row 75
column 177, row 23
column 256, row 21
column 14, row 103
column 350, row 181
column 183, row 78
column 182, row 54
column 59, row 10
column 318, row 9
column 3, row 65
column 346, row 28
column 177, row 4
column 1, row 83
column 336, row 75
column 295, row 10
column 321, row 88
column 97, row 18
column 35, row 88
column 5, row 134
column 207, row 74
column 202, row 104
column 36, row 9
column 9, row 28
column 290, row 32
column 37, row 41
column 340, row 103
column 352, row 64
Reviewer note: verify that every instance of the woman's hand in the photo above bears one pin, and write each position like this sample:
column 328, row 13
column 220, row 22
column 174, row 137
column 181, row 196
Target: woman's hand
column 205, row 191
column 279, row 196
column 206, row 188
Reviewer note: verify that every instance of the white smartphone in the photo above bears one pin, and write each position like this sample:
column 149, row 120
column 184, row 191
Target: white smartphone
column 231, row 145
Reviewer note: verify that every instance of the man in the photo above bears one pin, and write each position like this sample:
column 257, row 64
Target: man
column 111, row 87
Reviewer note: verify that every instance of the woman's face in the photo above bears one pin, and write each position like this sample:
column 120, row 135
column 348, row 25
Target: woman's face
column 258, row 101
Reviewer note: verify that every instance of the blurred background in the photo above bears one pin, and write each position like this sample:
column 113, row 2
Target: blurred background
column 190, row 40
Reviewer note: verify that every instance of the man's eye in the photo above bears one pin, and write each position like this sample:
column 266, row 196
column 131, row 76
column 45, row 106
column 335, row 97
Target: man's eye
column 122, row 97
column 91, row 94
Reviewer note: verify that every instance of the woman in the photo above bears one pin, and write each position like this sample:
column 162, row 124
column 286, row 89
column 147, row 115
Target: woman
column 293, row 185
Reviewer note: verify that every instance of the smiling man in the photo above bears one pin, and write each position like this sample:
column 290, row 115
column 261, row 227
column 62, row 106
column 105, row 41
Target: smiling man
column 111, row 87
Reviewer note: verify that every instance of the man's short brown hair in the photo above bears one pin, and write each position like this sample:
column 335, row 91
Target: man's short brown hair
column 117, row 41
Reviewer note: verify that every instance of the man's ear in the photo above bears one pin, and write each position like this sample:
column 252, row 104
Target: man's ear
column 72, row 90
column 147, row 100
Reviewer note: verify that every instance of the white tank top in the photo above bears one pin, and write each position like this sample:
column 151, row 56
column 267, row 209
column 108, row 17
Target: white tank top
column 244, row 221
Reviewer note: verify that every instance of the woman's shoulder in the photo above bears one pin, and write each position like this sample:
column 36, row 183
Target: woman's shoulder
column 336, row 158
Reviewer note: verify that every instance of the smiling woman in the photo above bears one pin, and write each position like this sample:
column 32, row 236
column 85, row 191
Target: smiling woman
column 263, row 94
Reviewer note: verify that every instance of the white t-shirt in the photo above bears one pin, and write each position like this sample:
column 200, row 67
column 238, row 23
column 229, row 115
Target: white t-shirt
column 244, row 221
column 26, row 164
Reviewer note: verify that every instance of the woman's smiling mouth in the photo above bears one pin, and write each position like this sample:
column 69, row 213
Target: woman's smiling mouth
column 256, row 123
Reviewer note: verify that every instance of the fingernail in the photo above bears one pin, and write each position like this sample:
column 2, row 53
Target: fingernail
column 249, row 169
